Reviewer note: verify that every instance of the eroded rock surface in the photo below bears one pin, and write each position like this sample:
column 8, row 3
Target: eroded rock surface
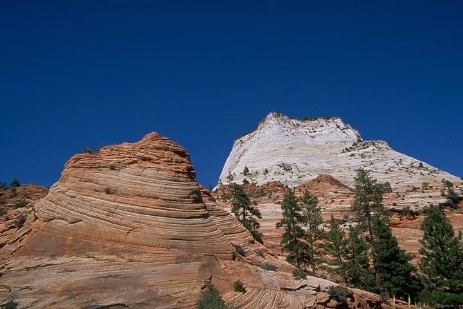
column 294, row 151
column 129, row 227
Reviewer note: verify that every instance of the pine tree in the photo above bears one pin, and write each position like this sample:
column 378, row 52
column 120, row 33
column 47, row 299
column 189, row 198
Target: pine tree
column 336, row 246
column 368, row 204
column 211, row 299
column 442, row 260
column 293, row 239
column 312, row 217
column 357, row 263
column 368, row 200
column 245, row 212
column 392, row 262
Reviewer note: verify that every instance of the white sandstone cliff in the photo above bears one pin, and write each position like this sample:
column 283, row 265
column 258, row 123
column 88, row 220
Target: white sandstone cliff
column 294, row 151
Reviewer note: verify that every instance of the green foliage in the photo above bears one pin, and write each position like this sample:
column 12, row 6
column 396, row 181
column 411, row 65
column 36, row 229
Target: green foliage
column 11, row 304
column 336, row 246
column 379, row 264
column 19, row 222
column 442, row 259
column 211, row 299
column 392, row 263
column 21, row 204
column 245, row 212
column 15, row 183
column 268, row 266
column 299, row 274
column 293, row 239
column 368, row 200
column 2, row 212
column 87, row 150
column 3, row 186
column 356, row 267
column 449, row 193
column 238, row 286
column 240, row 250
column 246, row 171
column 312, row 216
column 230, row 177
column 339, row 294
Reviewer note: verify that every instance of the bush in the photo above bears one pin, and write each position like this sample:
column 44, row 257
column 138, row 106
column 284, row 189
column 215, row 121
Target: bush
column 109, row 191
column 19, row 222
column 3, row 185
column 210, row 299
column 299, row 274
column 11, row 304
column 239, row 250
column 14, row 183
column 87, row 150
column 238, row 286
column 21, row 204
column 2, row 211
column 268, row 266
column 338, row 293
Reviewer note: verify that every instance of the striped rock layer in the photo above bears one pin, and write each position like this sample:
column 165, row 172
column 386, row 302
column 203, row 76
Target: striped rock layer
column 129, row 227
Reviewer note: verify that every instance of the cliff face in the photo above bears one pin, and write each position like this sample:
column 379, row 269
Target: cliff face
column 294, row 151
column 129, row 227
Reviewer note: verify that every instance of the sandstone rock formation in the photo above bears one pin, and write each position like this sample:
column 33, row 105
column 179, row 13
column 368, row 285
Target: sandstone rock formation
column 293, row 151
column 129, row 227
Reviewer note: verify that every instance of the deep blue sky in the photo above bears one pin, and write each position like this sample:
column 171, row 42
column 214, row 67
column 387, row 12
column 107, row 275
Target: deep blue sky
column 77, row 74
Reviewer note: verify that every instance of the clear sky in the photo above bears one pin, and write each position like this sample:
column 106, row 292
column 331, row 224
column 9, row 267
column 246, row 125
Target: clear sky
column 76, row 74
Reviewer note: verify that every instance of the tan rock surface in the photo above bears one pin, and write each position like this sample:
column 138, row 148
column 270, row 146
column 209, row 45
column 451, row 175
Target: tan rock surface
column 129, row 227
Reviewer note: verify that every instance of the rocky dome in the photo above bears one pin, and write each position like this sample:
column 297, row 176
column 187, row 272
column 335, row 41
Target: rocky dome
column 294, row 151
column 129, row 227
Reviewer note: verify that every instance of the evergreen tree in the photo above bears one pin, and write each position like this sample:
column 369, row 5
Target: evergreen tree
column 357, row 263
column 368, row 200
column 368, row 204
column 312, row 217
column 211, row 299
column 453, row 199
column 245, row 212
column 336, row 246
column 293, row 239
column 442, row 260
column 392, row 262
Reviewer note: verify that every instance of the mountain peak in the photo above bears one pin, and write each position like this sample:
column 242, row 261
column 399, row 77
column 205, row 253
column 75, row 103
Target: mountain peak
column 294, row 151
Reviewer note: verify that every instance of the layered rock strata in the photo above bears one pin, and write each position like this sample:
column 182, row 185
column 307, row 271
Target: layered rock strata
column 293, row 151
column 129, row 227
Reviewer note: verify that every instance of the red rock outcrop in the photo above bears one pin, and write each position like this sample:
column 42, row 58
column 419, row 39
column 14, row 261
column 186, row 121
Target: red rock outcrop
column 129, row 227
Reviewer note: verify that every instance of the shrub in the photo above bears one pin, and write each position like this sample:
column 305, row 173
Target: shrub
column 2, row 211
column 87, row 150
column 210, row 299
column 338, row 293
column 238, row 286
column 299, row 274
column 15, row 183
column 268, row 266
column 240, row 250
column 11, row 304
column 19, row 222
column 3, row 185
column 109, row 191
column 21, row 204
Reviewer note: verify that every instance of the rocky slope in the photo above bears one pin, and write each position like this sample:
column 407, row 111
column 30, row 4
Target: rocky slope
column 129, row 227
column 293, row 151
